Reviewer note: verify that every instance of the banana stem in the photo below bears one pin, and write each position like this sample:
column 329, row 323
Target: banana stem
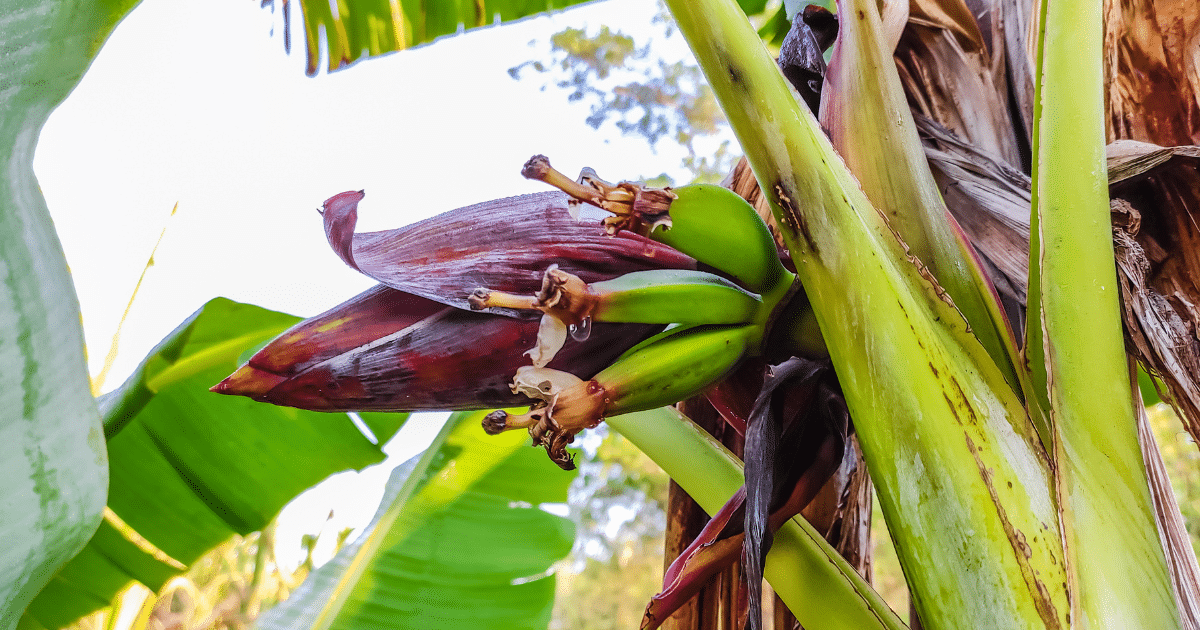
column 1107, row 512
column 963, row 480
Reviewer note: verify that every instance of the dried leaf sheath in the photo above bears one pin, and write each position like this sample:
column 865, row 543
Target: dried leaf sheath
column 504, row 245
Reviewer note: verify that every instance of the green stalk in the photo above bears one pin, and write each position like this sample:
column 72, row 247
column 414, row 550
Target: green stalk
column 1107, row 514
column 820, row 588
column 869, row 122
column 963, row 480
column 1039, row 402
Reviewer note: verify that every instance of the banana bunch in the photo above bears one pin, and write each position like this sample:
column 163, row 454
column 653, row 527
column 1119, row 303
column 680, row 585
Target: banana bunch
column 714, row 320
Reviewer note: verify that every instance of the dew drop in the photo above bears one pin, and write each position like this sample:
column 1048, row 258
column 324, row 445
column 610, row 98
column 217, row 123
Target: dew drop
column 582, row 330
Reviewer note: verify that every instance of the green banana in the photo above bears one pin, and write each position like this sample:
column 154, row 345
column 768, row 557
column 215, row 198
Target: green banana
column 669, row 367
column 676, row 366
column 717, row 227
column 673, row 296
column 709, row 223
column 655, row 296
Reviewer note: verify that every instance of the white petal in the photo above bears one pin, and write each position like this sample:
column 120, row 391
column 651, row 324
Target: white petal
column 542, row 383
column 552, row 334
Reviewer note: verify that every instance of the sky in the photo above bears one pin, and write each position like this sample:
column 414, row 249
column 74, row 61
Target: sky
column 197, row 104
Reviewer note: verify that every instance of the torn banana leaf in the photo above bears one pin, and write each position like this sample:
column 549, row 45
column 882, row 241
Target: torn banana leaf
column 369, row 28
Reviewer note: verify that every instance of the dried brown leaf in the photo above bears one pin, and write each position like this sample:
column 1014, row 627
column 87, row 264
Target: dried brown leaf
column 990, row 200
column 1155, row 208
column 1152, row 63
column 841, row 511
column 950, row 76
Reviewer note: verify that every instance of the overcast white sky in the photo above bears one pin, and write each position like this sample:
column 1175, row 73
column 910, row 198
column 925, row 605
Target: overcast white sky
column 196, row 103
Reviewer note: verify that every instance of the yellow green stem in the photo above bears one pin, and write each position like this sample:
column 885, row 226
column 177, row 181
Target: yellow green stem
column 1111, row 539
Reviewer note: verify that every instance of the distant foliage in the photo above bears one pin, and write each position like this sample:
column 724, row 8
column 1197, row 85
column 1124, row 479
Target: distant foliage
column 640, row 93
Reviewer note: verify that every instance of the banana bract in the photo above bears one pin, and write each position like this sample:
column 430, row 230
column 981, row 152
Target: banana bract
column 412, row 343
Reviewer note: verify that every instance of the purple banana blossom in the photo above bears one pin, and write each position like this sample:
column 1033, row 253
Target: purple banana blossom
column 411, row 343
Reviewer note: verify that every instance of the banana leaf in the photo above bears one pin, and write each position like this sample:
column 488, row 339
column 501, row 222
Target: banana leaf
column 190, row 468
column 52, row 457
column 457, row 542
column 360, row 29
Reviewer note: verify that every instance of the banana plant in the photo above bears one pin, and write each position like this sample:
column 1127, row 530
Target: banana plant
column 1014, row 491
column 999, row 482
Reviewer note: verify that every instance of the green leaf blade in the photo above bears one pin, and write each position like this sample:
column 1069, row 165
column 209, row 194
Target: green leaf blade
column 457, row 543
column 190, row 468
column 52, row 454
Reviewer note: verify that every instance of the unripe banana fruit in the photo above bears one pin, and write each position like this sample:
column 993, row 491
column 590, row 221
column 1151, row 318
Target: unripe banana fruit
column 676, row 365
column 717, row 227
column 672, row 366
column 674, row 296
column 709, row 223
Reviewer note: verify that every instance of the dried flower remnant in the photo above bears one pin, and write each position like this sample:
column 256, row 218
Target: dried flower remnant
column 662, row 370
column 565, row 303
column 635, row 208
column 565, row 406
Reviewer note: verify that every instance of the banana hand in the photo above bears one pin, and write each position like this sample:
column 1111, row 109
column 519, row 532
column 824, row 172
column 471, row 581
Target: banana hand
column 709, row 223
column 672, row 366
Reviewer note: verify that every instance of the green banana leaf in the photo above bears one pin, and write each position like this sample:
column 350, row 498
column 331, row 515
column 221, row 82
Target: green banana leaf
column 457, row 542
column 190, row 468
column 52, row 457
column 369, row 28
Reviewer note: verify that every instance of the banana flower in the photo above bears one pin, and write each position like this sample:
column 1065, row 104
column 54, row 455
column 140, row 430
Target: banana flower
column 413, row 343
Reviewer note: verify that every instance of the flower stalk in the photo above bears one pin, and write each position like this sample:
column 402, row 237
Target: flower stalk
column 1102, row 486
